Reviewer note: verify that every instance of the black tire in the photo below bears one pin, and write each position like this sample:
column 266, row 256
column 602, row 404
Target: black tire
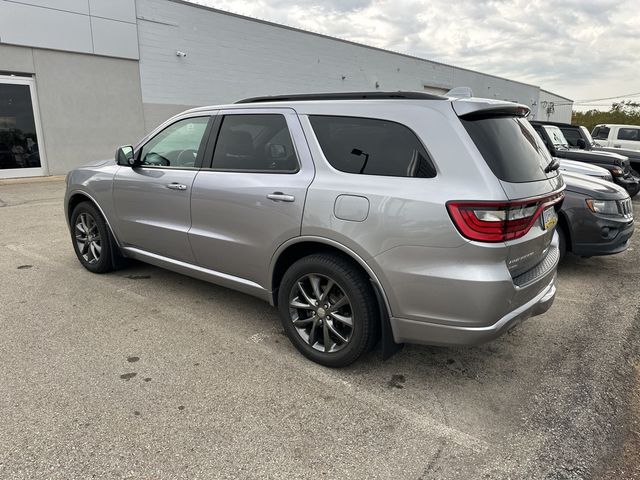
column 562, row 242
column 100, row 236
column 360, row 303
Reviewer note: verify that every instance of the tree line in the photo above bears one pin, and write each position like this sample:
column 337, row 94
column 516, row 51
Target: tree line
column 626, row 112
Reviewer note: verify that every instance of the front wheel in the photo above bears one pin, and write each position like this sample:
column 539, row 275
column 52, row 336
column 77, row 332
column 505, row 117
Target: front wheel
column 91, row 238
column 328, row 310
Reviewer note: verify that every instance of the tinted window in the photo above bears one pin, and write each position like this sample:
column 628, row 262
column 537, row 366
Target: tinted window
column 601, row 133
column 18, row 139
column 177, row 145
column 371, row 147
column 510, row 146
column 572, row 136
column 629, row 134
column 255, row 142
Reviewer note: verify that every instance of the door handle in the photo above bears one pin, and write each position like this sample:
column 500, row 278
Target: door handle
column 281, row 197
column 176, row 186
column 617, row 146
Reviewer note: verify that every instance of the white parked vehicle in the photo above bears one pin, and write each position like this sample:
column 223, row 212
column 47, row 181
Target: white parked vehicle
column 617, row 136
column 585, row 169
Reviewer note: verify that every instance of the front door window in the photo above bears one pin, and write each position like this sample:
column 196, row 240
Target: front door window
column 177, row 145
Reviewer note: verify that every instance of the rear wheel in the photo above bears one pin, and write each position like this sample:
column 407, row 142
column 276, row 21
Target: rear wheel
column 92, row 240
column 328, row 310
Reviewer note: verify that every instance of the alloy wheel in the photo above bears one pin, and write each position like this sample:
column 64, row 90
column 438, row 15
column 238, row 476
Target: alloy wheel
column 321, row 313
column 88, row 238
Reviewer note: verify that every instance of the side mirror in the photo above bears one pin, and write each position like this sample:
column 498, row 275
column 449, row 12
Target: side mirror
column 581, row 143
column 124, row 156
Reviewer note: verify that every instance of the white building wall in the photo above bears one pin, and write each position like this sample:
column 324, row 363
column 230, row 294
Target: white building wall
column 88, row 105
column 101, row 27
column 554, row 108
column 83, row 58
column 229, row 57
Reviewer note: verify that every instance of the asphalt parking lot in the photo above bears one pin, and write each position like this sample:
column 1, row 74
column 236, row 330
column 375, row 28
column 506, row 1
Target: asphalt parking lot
column 148, row 374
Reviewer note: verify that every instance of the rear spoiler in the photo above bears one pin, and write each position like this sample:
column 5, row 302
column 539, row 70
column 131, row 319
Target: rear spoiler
column 485, row 106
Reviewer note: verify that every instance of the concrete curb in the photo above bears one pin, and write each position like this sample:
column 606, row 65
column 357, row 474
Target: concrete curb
column 14, row 181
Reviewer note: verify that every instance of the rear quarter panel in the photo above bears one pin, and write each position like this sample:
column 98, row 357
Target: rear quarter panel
column 407, row 221
column 402, row 211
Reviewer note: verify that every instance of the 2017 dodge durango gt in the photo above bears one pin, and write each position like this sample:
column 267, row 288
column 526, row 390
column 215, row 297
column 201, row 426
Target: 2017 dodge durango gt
column 407, row 216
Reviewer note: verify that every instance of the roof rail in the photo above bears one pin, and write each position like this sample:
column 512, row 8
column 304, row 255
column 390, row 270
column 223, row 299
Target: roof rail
column 344, row 96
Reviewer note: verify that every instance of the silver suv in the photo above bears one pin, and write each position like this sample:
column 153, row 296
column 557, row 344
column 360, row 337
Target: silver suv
column 403, row 216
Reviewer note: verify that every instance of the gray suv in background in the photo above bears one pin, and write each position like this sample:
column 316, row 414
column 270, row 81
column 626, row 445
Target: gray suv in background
column 414, row 217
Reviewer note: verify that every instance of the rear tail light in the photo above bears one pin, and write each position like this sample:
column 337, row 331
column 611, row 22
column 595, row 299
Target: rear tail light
column 499, row 221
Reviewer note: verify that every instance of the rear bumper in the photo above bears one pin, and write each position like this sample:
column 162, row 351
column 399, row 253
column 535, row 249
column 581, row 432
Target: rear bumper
column 411, row 331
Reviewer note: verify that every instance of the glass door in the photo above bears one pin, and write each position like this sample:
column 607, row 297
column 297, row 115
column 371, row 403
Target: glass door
column 21, row 152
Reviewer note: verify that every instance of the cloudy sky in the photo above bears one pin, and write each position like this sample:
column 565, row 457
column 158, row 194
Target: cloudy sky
column 582, row 49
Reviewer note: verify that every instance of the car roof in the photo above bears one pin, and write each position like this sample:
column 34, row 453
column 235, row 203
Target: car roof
column 617, row 125
column 309, row 99
column 462, row 106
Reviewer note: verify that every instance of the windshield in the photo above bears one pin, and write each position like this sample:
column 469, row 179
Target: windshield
column 587, row 135
column 556, row 136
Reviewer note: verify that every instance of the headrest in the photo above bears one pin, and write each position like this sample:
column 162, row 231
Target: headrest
column 237, row 143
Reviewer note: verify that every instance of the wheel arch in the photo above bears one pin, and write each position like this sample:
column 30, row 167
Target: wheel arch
column 291, row 251
column 79, row 196
column 295, row 249
column 563, row 223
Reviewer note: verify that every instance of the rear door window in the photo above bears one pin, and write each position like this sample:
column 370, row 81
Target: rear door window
column 257, row 143
column 632, row 134
column 369, row 146
column 510, row 146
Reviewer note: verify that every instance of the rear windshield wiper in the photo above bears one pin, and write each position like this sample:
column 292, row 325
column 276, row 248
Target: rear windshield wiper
column 554, row 164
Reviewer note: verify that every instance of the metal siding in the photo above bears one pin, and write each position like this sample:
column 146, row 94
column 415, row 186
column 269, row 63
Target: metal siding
column 114, row 38
column 230, row 57
column 560, row 106
column 46, row 28
column 67, row 25
column 77, row 6
column 488, row 86
column 121, row 10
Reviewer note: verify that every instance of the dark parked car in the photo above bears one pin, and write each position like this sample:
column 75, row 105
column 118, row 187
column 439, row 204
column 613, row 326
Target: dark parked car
column 618, row 165
column 596, row 217
column 579, row 137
